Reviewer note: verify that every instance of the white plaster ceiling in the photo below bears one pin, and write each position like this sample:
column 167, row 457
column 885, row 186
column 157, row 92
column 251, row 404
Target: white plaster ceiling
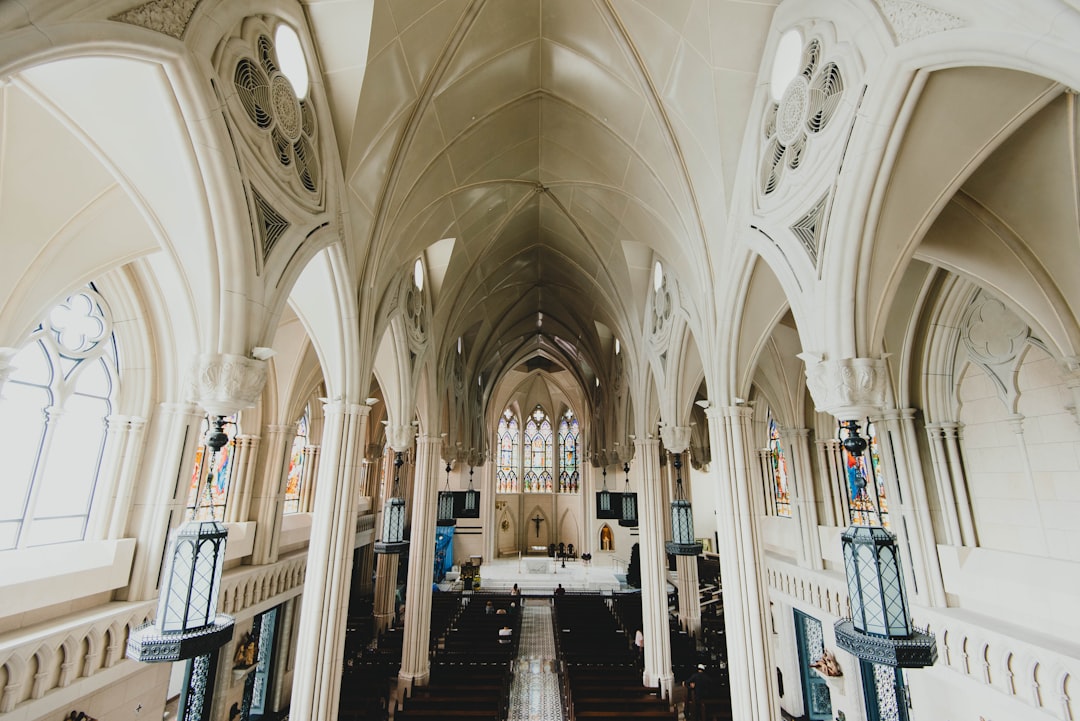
column 545, row 137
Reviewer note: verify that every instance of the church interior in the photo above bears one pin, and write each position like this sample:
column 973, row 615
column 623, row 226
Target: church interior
column 684, row 359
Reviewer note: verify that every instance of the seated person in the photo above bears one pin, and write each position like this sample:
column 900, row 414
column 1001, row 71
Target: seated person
column 505, row 633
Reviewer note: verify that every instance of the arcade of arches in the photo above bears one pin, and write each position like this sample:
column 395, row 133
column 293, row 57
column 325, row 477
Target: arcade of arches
column 540, row 248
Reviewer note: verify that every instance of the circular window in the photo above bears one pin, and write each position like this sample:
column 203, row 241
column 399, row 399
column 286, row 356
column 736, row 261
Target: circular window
column 786, row 63
column 291, row 56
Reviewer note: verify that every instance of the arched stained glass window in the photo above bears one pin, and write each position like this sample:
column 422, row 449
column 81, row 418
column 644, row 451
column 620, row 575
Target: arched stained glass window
column 53, row 423
column 296, row 467
column 779, row 466
column 569, row 473
column 865, row 488
column 506, row 478
column 539, row 446
column 209, row 488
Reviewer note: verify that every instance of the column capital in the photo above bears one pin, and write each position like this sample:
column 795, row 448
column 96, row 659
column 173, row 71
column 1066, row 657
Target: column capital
column 280, row 429
column 223, row 383
column 676, row 438
column 849, row 388
column 400, row 437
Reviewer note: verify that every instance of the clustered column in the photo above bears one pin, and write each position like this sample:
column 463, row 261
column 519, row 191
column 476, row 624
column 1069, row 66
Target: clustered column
column 415, row 660
column 744, row 609
column 657, row 671
column 321, row 637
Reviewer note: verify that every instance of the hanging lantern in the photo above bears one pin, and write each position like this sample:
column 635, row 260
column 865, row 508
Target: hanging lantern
column 188, row 624
column 682, row 541
column 393, row 535
column 603, row 499
column 628, row 518
column 446, row 503
column 879, row 629
column 472, row 500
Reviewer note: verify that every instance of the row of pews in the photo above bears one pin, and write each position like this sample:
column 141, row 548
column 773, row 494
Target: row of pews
column 471, row 661
column 597, row 652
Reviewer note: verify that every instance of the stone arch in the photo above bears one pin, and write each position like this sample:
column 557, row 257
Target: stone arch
column 12, row 674
column 1010, row 674
column 69, row 662
column 46, row 671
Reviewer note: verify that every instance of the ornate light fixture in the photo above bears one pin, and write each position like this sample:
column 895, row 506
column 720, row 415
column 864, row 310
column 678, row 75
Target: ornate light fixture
column 603, row 498
column 879, row 629
column 682, row 541
column 188, row 624
column 628, row 518
column 446, row 503
column 393, row 535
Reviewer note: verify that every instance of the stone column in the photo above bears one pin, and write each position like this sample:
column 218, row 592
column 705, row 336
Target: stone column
column 269, row 495
column 324, row 611
column 946, row 499
column 749, row 665
column 654, row 615
column 804, row 499
column 242, row 482
column 308, row 473
column 828, row 480
column 386, row 564
column 912, row 486
column 1016, row 422
column 951, row 432
column 123, row 446
column 415, row 660
column 159, row 504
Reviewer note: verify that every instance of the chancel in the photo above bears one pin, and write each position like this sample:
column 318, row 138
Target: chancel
column 312, row 312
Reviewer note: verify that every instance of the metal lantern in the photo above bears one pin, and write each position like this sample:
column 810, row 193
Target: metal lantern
column 393, row 533
column 628, row 518
column 188, row 624
column 682, row 541
column 603, row 498
column 446, row 503
column 472, row 500
column 879, row 629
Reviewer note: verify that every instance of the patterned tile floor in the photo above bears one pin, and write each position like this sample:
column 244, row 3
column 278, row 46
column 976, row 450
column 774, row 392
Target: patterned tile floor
column 534, row 694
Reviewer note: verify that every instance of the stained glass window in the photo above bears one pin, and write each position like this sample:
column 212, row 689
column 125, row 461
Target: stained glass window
column 296, row 467
column 569, row 474
column 779, row 468
column 506, row 478
column 53, row 423
column 209, row 487
column 866, row 491
column 538, row 443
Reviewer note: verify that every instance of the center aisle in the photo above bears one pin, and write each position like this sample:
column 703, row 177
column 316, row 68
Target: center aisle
column 534, row 693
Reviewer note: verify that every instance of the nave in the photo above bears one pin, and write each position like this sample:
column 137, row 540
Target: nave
column 571, row 653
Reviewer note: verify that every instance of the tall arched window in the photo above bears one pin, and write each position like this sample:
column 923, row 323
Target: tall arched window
column 53, row 423
column 506, row 478
column 866, row 490
column 296, row 466
column 538, row 443
column 778, row 464
column 569, row 475
column 209, row 489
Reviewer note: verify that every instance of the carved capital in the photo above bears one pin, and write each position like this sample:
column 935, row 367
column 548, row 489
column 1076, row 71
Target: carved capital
column 400, row 437
column 848, row 388
column 676, row 438
column 223, row 383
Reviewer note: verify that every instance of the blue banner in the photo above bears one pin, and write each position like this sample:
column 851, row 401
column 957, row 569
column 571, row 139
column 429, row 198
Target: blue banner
column 444, row 551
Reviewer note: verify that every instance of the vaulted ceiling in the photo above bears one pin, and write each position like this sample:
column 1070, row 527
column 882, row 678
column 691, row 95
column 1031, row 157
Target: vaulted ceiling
column 564, row 145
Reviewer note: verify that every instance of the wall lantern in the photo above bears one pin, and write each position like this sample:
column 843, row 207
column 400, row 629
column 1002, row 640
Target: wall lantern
column 603, row 498
column 188, row 624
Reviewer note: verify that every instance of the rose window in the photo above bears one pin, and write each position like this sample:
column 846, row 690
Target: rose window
column 272, row 105
column 807, row 105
